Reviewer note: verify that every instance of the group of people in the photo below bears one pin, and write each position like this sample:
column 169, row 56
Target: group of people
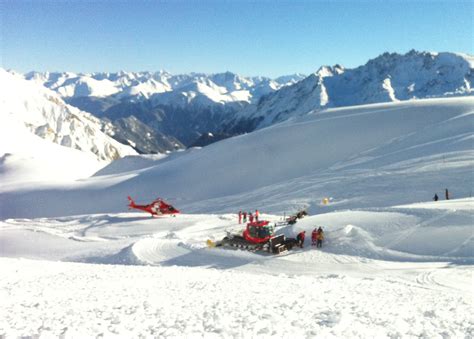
column 446, row 195
column 317, row 237
column 251, row 217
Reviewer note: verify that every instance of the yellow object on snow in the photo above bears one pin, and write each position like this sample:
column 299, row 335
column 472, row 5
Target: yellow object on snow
column 210, row 243
column 325, row 201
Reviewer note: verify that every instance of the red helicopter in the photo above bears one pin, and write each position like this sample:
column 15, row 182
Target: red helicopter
column 157, row 208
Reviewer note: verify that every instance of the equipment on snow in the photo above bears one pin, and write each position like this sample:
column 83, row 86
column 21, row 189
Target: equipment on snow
column 292, row 219
column 258, row 235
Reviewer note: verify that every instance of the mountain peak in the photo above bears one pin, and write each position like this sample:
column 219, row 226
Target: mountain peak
column 325, row 71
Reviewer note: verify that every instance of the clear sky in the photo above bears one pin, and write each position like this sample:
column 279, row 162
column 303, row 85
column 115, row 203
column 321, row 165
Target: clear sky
column 246, row 37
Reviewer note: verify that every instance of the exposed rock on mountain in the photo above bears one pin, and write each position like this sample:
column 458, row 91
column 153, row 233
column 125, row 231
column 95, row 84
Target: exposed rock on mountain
column 45, row 114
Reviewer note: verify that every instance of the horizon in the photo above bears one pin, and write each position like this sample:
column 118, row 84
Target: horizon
column 228, row 71
column 269, row 39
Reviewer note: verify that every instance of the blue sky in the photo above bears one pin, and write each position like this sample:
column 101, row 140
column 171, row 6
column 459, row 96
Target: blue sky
column 247, row 37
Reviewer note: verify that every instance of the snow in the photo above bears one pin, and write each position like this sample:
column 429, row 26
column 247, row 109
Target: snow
column 117, row 303
column 394, row 263
column 169, row 284
column 84, row 86
column 45, row 114
column 27, row 159
column 145, row 89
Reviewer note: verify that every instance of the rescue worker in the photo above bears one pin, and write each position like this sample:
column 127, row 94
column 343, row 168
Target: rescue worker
column 314, row 237
column 320, row 237
column 245, row 217
column 250, row 217
column 300, row 238
column 256, row 215
column 240, row 217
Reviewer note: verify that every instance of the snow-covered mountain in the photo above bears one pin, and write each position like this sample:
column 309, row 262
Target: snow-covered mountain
column 45, row 114
column 178, row 108
column 218, row 88
column 389, row 77
column 181, row 109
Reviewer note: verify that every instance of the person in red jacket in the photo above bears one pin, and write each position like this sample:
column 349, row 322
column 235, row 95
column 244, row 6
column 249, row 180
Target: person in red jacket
column 300, row 238
column 314, row 237
column 250, row 217
column 256, row 215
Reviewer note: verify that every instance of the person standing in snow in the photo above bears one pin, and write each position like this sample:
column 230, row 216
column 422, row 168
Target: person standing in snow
column 250, row 217
column 446, row 194
column 245, row 217
column 320, row 237
column 435, row 198
column 300, row 238
column 314, row 237
column 240, row 217
column 256, row 215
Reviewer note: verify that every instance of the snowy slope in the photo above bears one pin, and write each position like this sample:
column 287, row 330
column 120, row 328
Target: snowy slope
column 389, row 77
column 399, row 152
column 45, row 114
column 26, row 160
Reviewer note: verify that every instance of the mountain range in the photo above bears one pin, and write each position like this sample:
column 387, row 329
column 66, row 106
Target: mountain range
column 390, row 77
column 156, row 112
